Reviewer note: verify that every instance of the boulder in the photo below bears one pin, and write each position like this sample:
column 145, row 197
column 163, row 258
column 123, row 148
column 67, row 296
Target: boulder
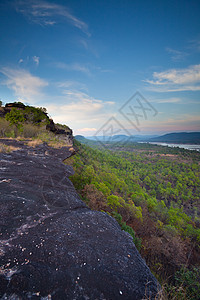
column 52, row 246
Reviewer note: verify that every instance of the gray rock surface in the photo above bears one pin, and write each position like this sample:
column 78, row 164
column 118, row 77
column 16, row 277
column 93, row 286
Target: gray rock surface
column 51, row 245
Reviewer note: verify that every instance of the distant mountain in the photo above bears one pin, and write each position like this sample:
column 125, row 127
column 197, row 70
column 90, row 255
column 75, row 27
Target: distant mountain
column 178, row 138
column 83, row 140
column 80, row 138
column 122, row 137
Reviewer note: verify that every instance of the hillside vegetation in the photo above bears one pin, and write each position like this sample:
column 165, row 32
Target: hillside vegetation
column 154, row 195
column 28, row 122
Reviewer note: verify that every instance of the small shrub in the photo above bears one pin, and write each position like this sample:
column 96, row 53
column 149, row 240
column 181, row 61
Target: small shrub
column 137, row 241
column 31, row 131
column 5, row 127
column 10, row 134
column 16, row 117
column 190, row 281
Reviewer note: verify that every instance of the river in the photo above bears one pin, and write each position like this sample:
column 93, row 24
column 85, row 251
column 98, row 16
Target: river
column 185, row 146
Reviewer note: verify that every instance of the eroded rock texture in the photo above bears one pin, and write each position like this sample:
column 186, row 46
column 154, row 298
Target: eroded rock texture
column 52, row 246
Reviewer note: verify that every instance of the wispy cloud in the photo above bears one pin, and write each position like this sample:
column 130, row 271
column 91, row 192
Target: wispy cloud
column 92, row 46
column 72, row 85
column 194, row 45
column 88, row 69
column 169, row 100
column 73, row 67
column 187, row 79
column 36, row 59
column 87, row 129
column 102, row 70
column 47, row 14
column 182, row 122
column 176, row 55
column 24, row 84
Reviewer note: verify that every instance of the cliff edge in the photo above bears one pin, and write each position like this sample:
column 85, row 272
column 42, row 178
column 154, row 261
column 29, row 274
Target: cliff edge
column 52, row 246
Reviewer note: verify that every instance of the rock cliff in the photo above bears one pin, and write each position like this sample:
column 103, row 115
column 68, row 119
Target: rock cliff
column 52, row 246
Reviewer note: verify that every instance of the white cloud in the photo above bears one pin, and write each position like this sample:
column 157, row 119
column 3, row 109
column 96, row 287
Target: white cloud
column 49, row 22
column 36, row 59
column 169, row 100
column 47, row 14
column 187, row 79
column 20, row 61
column 87, row 129
column 77, row 108
column 73, row 67
column 24, row 85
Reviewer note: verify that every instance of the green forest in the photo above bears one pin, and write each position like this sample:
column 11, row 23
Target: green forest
column 153, row 192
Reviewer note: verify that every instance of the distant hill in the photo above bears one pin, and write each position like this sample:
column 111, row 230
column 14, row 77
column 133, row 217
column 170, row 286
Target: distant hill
column 83, row 140
column 80, row 137
column 174, row 138
column 122, row 137
column 178, row 138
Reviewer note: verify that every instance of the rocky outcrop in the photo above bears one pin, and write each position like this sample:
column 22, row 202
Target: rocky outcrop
column 9, row 106
column 16, row 105
column 52, row 245
column 63, row 131
column 54, row 128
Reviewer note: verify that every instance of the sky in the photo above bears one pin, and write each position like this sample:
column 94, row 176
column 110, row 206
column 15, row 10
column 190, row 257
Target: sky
column 104, row 67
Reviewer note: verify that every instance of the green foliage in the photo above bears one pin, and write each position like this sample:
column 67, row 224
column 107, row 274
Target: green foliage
column 158, row 184
column 35, row 115
column 103, row 188
column 190, row 281
column 6, row 130
column 30, row 114
column 113, row 201
column 63, row 126
column 27, row 121
column 10, row 134
column 151, row 203
column 136, row 210
column 16, row 117
column 128, row 229
column 152, row 196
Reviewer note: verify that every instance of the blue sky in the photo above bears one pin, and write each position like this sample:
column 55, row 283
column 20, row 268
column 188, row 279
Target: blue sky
column 83, row 60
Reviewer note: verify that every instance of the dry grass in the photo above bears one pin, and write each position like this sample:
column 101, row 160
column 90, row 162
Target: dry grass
column 57, row 145
column 6, row 149
column 71, row 149
column 29, row 130
column 34, row 143
column 19, row 138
